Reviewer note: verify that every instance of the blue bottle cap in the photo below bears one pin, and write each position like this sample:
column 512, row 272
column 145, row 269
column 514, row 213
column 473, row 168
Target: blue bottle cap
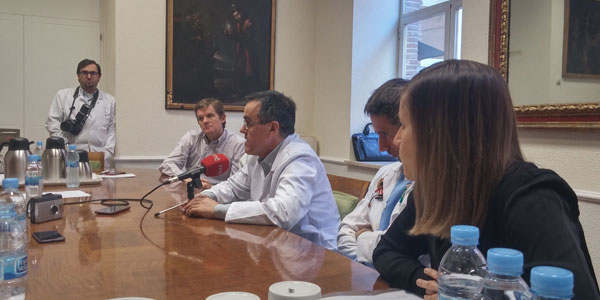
column 464, row 235
column 72, row 147
column 552, row 282
column 34, row 157
column 504, row 261
column 10, row 183
column 39, row 143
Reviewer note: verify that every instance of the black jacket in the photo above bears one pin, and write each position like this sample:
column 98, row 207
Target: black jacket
column 532, row 210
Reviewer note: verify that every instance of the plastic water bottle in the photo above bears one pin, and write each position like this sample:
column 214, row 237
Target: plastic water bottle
column 72, row 160
column 39, row 150
column 12, row 195
column 34, row 183
column 13, row 254
column 551, row 283
column 503, row 281
column 463, row 267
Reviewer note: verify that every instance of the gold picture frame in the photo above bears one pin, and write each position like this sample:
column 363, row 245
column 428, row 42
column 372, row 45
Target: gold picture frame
column 223, row 49
column 573, row 115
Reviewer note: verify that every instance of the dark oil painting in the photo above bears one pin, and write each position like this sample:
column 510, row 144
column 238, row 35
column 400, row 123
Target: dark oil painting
column 218, row 49
column 581, row 49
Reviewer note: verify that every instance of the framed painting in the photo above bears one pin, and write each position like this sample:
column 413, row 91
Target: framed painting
column 581, row 39
column 576, row 115
column 221, row 49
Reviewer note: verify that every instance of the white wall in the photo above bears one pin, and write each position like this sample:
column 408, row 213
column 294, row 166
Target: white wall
column 475, row 30
column 375, row 31
column 42, row 44
column 85, row 10
column 536, row 51
column 295, row 58
column 11, row 76
column 333, row 66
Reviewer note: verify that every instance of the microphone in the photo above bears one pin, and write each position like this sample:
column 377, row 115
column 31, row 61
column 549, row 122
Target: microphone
column 212, row 165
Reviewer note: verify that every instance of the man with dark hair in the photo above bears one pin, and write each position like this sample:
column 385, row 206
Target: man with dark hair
column 67, row 119
column 361, row 229
column 210, row 138
column 283, row 182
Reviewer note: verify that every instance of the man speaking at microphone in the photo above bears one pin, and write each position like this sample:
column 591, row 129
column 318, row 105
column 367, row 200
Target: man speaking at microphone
column 211, row 138
column 283, row 182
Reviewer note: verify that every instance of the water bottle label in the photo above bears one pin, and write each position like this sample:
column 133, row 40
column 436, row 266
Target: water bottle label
column 14, row 267
column 73, row 164
column 33, row 180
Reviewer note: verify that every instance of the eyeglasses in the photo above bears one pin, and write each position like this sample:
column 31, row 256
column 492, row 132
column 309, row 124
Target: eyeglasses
column 247, row 124
column 86, row 73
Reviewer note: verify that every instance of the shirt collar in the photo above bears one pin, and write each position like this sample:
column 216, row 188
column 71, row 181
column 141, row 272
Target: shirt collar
column 267, row 162
column 219, row 140
column 87, row 96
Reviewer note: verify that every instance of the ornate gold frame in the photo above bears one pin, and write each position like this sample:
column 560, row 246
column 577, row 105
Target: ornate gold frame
column 169, row 102
column 575, row 115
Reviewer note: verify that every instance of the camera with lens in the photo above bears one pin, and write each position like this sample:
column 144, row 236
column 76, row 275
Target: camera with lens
column 45, row 208
column 75, row 126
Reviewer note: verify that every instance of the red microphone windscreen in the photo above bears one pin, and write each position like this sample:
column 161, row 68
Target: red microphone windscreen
column 215, row 164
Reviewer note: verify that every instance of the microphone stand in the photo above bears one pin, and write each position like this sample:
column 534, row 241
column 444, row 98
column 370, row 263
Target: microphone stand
column 191, row 185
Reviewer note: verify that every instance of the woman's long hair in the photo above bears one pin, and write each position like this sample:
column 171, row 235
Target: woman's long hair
column 466, row 137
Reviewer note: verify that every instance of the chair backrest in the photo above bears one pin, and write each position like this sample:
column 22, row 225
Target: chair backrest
column 347, row 192
column 355, row 187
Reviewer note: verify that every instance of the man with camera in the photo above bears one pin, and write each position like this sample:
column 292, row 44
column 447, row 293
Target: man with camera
column 84, row 115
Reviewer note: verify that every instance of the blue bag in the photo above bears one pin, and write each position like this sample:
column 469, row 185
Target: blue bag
column 366, row 146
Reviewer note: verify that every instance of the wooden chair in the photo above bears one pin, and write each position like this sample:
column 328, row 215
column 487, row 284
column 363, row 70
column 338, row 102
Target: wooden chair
column 347, row 192
column 347, row 185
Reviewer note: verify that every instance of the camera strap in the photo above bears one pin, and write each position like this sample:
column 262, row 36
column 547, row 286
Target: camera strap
column 76, row 94
column 73, row 103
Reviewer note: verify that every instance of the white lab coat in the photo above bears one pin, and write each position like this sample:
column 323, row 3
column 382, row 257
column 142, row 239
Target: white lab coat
column 365, row 215
column 98, row 133
column 295, row 195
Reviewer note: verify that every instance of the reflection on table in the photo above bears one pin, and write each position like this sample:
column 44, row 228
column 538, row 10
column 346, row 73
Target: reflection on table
column 173, row 256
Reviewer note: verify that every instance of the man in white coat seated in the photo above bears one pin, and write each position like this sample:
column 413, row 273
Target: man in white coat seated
column 361, row 229
column 283, row 182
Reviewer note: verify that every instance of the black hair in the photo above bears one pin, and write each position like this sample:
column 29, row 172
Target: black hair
column 86, row 62
column 275, row 106
column 385, row 100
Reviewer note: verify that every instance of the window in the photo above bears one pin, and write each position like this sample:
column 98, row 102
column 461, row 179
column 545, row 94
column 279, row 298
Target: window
column 430, row 32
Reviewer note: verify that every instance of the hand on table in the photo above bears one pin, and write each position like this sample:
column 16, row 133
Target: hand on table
column 430, row 286
column 203, row 207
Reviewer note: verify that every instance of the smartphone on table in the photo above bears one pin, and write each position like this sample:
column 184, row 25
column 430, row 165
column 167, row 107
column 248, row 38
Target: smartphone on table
column 112, row 210
column 48, row 236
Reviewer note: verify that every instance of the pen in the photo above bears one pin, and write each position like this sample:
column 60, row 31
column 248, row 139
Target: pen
column 170, row 208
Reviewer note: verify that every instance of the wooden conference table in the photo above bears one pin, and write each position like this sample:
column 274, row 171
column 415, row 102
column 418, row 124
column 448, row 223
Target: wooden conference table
column 175, row 257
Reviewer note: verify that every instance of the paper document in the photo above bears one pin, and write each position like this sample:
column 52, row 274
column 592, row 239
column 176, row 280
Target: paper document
column 71, row 194
column 394, row 295
column 126, row 175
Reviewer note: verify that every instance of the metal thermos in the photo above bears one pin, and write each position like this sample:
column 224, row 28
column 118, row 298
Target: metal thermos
column 53, row 159
column 15, row 159
column 85, row 170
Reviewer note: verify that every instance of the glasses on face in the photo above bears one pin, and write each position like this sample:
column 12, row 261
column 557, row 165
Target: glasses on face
column 86, row 73
column 248, row 124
